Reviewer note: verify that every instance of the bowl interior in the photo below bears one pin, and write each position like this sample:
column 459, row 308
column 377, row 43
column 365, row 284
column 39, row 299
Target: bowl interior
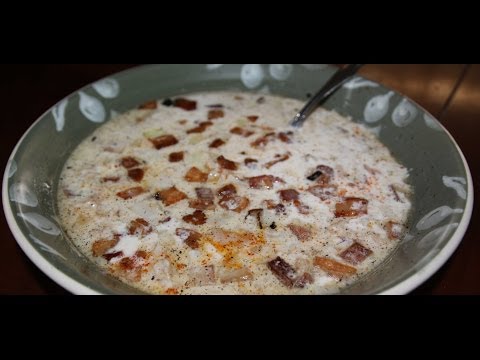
column 442, row 199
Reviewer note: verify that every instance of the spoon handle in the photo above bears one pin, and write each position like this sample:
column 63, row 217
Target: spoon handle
column 337, row 80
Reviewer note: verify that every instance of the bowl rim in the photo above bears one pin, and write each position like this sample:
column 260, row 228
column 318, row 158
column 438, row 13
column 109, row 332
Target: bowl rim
column 75, row 287
column 430, row 268
column 32, row 253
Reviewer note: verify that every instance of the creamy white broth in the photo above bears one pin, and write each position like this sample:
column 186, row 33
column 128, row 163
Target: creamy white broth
column 350, row 209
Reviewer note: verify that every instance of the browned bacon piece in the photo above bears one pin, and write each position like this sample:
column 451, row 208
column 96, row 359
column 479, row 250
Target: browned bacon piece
column 111, row 179
column 334, row 268
column 176, row 156
column 197, row 218
column 136, row 174
column 249, row 162
column 164, row 220
column 131, row 192
column 133, row 264
column 129, row 162
column 171, row 291
column 283, row 271
column 205, row 194
column 394, row 230
column 141, row 254
column 234, row 203
column 351, row 206
column 241, row 131
column 355, row 254
column 303, row 280
column 323, row 175
column 289, row 195
column 111, row 256
column 302, row 232
column 285, row 137
column 279, row 208
column 204, row 201
column 276, row 161
column 216, row 143
column 263, row 181
column 139, row 227
column 252, row 118
column 263, row 140
column 149, row 105
column 200, row 128
column 196, row 175
column 163, row 141
column 185, row 104
column 215, row 114
column 226, row 164
column 100, row 247
column 200, row 205
column 270, row 204
column 229, row 189
column 327, row 174
column 301, row 207
column 170, row 196
column 189, row 237
column 127, row 263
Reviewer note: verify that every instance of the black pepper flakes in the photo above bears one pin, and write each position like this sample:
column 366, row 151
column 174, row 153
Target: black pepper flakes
column 273, row 226
column 167, row 102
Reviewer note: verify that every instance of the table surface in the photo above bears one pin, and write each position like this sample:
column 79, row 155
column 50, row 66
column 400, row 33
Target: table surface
column 452, row 91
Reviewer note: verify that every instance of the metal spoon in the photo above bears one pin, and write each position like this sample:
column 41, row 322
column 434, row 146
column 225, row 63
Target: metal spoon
column 337, row 80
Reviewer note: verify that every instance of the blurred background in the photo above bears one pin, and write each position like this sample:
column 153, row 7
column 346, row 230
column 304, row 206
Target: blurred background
column 450, row 92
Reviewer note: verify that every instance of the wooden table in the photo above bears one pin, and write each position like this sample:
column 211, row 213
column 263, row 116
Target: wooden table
column 29, row 90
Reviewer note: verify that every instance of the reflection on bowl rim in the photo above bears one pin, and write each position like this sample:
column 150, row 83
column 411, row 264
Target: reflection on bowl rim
column 404, row 286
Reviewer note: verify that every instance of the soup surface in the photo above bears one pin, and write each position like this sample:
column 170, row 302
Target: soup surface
column 213, row 193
